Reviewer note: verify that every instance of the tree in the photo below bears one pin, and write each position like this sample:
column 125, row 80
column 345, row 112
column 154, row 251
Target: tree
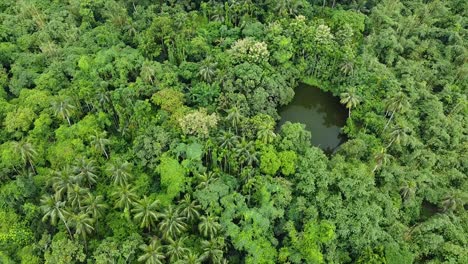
column 246, row 152
column 125, row 196
column 398, row 135
column 381, row 158
column 146, row 212
column 95, row 206
column 408, row 190
column 75, row 195
column 176, row 249
column 454, row 201
column 54, row 209
column 198, row 123
column 207, row 71
column 152, row 253
column 395, row 104
column 234, row 116
column 99, row 141
column 172, row 223
column 63, row 182
column 120, row 172
column 85, row 169
column 189, row 208
column 350, row 99
column 27, row 153
column 209, row 226
column 212, row 250
column 83, row 224
column 64, row 108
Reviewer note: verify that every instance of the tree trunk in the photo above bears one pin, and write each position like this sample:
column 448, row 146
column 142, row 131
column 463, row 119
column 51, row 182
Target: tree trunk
column 389, row 120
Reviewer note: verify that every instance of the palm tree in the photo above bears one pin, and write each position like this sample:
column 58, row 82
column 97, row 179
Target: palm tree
column 86, row 170
column 205, row 179
column 228, row 140
column 147, row 72
column 83, row 225
column 146, row 212
column 190, row 258
column 27, row 153
column 125, row 195
column 120, row 173
column 53, row 208
column 189, row 209
column 454, row 201
column 99, row 141
column 398, row 136
column 95, row 206
column 209, row 226
column 63, row 108
column 350, row 99
column 408, row 190
column 152, row 253
column 172, row 223
column 207, row 71
column 396, row 103
column 347, row 67
column 246, row 152
column 212, row 250
column 63, row 182
column 381, row 159
column 234, row 116
column 176, row 249
column 266, row 135
column 75, row 195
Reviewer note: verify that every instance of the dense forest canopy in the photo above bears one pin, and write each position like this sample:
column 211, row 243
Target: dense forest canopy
column 145, row 132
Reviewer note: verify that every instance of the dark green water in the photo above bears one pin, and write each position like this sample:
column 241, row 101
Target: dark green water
column 322, row 114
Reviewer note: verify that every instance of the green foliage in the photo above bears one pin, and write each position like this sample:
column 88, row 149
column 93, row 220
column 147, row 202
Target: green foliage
column 145, row 131
column 172, row 178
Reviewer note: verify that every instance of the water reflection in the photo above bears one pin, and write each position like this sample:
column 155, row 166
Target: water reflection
column 322, row 114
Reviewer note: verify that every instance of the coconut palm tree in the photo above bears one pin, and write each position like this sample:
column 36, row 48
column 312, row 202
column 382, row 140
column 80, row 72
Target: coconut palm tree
column 228, row 140
column 120, row 173
column 83, row 225
column 76, row 194
column 350, row 99
column 63, row 182
column 172, row 223
column 397, row 103
column 125, row 196
column 27, row 152
column 99, row 141
column 207, row 71
column 205, row 179
column 189, row 208
column 246, row 152
column 234, row 116
column 212, row 250
column 85, row 170
column 146, row 212
column 147, row 72
column 94, row 206
column 176, row 249
column 62, row 107
column 381, row 158
column 266, row 135
column 408, row 190
column 152, row 253
column 190, row 258
column 54, row 209
column 453, row 201
column 209, row 226
column 398, row 135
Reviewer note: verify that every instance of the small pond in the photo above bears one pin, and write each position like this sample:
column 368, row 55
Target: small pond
column 321, row 112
